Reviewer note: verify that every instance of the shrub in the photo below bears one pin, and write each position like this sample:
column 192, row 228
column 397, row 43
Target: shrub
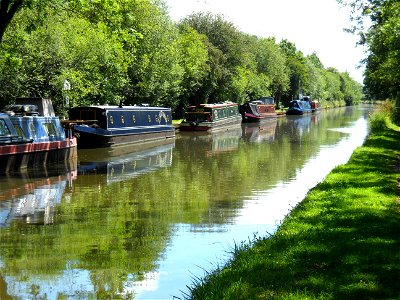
column 382, row 116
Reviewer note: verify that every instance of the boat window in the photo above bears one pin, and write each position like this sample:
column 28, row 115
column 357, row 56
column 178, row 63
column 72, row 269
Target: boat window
column 19, row 131
column 215, row 114
column 149, row 118
column 134, row 119
column 3, row 128
column 193, row 117
column 32, row 130
column 50, row 129
column 87, row 115
column 111, row 120
column 122, row 120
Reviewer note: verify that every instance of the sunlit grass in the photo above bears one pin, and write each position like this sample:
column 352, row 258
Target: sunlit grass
column 341, row 242
column 177, row 121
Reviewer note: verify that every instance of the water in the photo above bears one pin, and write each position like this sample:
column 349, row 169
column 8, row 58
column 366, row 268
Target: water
column 142, row 225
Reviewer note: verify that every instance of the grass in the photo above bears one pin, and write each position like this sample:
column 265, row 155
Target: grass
column 340, row 242
column 177, row 121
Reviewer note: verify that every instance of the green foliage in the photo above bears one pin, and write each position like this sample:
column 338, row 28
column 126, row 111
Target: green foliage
column 271, row 61
column 131, row 50
column 70, row 48
column 382, row 116
column 194, row 56
column 382, row 79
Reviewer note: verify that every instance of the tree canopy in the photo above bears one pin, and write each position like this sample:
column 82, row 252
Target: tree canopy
column 378, row 24
column 132, row 51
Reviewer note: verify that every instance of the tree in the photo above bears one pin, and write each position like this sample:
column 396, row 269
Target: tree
column 224, row 40
column 298, row 70
column 8, row 9
column 272, row 62
column 351, row 89
column 382, row 40
column 63, row 48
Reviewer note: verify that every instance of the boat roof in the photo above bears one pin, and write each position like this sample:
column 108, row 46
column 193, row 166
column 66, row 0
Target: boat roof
column 217, row 105
column 299, row 100
column 116, row 107
column 44, row 106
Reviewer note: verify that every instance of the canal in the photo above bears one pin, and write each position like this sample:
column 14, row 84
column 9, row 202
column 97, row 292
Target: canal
column 144, row 224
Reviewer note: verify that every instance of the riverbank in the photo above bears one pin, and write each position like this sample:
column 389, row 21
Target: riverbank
column 341, row 242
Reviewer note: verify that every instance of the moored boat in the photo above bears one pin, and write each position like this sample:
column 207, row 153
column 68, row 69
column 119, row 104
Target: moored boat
column 30, row 139
column 211, row 117
column 110, row 126
column 299, row 107
column 257, row 110
column 315, row 107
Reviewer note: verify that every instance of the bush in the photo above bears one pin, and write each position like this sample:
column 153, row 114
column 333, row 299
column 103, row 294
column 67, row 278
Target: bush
column 382, row 116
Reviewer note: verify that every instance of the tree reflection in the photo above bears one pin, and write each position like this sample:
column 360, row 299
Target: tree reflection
column 107, row 234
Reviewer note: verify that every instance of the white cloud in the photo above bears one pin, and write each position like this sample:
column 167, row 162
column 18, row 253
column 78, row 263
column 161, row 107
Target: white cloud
column 313, row 25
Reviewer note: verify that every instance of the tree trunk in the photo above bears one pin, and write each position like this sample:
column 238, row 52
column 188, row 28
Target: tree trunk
column 7, row 12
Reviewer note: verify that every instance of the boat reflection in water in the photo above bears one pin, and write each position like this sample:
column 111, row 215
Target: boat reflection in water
column 260, row 132
column 214, row 143
column 31, row 197
column 301, row 124
column 122, row 163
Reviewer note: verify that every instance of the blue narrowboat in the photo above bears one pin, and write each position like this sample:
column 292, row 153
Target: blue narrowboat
column 30, row 139
column 109, row 126
column 299, row 107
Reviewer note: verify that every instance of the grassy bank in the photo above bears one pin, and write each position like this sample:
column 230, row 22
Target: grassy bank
column 341, row 242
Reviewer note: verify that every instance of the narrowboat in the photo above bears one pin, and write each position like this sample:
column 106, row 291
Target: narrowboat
column 110, row 126
column 29, row 139
column 299, row 107
column 257, row 110
column 211, row 117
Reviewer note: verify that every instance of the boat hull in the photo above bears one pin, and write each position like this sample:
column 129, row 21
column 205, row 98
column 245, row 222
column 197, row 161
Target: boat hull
column 299, row 107
column 295, row 112
column 20, row 156
column 248, row 118
column 211, row 126
column 94, row 138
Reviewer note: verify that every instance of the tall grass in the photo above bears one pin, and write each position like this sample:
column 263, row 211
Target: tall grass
column 382, row 117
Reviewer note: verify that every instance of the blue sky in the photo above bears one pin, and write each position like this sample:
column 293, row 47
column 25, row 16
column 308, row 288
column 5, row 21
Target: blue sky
column 313, row 25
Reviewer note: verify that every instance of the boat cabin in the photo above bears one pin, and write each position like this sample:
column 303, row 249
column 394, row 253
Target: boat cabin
column 212, row 112
column 266, row 100
column 114, row 117
column 8, row 134
column 300, row 104
column 30, row 126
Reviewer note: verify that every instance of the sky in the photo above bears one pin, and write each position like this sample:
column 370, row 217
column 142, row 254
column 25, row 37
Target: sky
column 312, row 25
